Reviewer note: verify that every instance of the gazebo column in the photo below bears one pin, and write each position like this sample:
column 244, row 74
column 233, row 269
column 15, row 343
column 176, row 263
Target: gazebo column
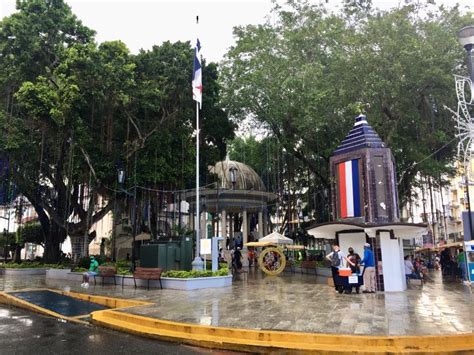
column 245, row 231
column 203, row 225
column 265, row 224
column 191, row 220
column 223, row 233
column 260, row 224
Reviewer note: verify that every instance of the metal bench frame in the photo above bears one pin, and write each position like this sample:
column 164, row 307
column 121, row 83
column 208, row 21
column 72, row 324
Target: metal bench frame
column 153, row 277
column 106, row 275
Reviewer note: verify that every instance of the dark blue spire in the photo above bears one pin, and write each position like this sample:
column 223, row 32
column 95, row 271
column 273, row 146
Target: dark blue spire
column 360, row 136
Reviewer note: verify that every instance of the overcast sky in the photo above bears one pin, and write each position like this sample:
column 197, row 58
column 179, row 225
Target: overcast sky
column 143, row 23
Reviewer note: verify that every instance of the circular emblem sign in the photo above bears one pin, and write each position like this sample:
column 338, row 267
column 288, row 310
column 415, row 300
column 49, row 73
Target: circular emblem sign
column 272, row 261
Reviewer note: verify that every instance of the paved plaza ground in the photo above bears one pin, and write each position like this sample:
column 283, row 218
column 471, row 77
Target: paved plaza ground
column 296, row 302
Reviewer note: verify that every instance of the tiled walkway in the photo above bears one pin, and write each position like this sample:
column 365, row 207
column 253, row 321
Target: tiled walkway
column 298, row 303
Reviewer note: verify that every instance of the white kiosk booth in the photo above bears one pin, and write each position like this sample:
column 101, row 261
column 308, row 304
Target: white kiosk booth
column 386, row 241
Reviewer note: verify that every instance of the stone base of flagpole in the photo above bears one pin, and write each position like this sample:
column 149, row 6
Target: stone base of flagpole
column 198, row 264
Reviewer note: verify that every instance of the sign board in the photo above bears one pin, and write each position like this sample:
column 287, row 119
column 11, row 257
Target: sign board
column 353, row 279
column 205, row 246
column 466, row 226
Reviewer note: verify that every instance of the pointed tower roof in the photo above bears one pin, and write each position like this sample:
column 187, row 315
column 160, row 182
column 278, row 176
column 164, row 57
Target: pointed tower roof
column 362, row 135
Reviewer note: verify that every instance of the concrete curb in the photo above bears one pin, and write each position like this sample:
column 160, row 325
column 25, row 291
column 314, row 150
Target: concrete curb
column 263, row 340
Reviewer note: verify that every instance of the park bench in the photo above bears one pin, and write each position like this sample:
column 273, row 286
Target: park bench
column 308, row 265
column 106, row 271
column 145, row 273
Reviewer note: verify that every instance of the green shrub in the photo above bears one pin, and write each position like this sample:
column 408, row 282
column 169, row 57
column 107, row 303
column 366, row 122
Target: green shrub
column 181, row 274
column 222, row 272
column 123, row 271
column 34, row 265
column 123, row 263
column 221, row 265
column 84, row 262
column 80, row 269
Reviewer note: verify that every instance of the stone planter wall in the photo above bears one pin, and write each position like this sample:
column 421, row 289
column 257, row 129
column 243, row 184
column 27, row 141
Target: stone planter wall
column 167, row 282
column 197, row 283
column 324, row 271
column 24, row 272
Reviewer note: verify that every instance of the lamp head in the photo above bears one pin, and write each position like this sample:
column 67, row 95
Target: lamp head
column 466, row 37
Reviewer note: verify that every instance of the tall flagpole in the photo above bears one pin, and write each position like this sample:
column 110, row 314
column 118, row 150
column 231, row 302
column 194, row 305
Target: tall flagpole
column 197, row 262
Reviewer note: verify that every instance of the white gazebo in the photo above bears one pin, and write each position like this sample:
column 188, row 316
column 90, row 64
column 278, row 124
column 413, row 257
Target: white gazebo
column 237, row 198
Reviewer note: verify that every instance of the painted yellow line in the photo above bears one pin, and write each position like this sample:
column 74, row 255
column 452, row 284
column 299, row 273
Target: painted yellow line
column 111, row 302
column 262, row 340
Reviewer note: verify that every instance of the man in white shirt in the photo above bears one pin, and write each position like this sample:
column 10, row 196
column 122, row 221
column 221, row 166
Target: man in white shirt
column 410, row 269
column 337, row 258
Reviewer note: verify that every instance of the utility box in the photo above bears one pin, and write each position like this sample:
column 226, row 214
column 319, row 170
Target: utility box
column 174, row 254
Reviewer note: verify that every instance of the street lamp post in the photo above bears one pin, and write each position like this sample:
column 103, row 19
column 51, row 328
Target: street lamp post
column 466, row 38
column 121, row 181
column 5, row 232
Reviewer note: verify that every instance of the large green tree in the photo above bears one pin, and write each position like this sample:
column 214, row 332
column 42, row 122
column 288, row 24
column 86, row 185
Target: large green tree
column 76, row 111
column 304, row 76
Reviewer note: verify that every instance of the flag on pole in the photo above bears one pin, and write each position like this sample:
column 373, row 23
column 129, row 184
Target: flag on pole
column 197, row 75
column 348, row 189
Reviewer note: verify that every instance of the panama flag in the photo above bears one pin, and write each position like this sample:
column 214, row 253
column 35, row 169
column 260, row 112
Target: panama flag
column 349, row 189
column 197, row 75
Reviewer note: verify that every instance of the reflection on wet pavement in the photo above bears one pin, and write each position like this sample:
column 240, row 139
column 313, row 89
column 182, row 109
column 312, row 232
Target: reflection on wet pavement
column 299, row 303
column 24, row 332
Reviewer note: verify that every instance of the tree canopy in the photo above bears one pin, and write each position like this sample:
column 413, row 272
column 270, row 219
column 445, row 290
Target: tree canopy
column 306, row 73
column 76, row 111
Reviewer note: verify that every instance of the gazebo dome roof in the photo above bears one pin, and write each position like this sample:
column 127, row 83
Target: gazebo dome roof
column 245, row 177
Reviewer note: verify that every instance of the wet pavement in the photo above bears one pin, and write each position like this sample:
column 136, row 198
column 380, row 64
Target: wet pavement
column 298, row 303
column 23, row 332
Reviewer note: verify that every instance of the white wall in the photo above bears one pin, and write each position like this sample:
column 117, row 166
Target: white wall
column 392, row 263
column 354, row 240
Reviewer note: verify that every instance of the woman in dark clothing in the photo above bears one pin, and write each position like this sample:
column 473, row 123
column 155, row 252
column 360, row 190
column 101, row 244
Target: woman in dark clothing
column 354, row 259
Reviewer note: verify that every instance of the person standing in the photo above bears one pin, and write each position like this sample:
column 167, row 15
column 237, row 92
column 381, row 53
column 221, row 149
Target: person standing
column 353, row 261
column 93, row 266
column 369, row 269
column 410, row 271
column 337, row 261
column 237, row 259
column 461, row 259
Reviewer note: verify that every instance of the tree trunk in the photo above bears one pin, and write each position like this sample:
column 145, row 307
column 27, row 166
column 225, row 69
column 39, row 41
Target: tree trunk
column 77, row 246
column 18, row 253
column 53, row 240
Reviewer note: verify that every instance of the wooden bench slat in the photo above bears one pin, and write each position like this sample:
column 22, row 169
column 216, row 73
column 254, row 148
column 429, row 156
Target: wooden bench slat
column 142, row 273
column 106, row 271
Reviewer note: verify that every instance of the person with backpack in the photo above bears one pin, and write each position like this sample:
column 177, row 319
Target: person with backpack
column 336, row 258
column 354, row 259
column 369, row 269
